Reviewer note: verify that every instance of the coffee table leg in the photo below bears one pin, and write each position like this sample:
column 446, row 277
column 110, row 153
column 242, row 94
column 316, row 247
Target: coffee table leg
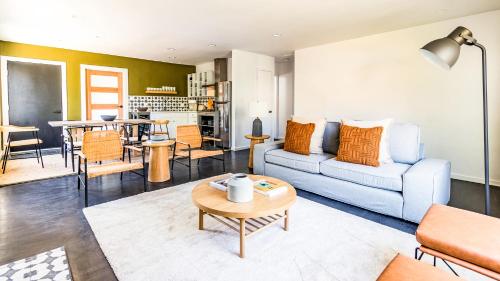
column 242, row 238
column 200, row 219
column 287, row 214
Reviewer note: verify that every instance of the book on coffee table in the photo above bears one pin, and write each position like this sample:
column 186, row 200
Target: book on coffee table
column 269, row 188
column 221, row 184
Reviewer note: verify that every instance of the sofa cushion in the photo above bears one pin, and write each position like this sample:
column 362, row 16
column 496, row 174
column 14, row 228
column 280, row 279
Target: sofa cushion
column 331, row 138
column 405, row 143
column 385, row 176
column 306, row 163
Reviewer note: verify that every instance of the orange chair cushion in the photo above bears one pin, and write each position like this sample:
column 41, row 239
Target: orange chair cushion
column 359, row 145
column 404, row 268
column 298, row 137
column 465, row 235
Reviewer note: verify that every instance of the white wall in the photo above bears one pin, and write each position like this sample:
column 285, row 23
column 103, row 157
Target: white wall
column 384, row 75
column 206, row 66
column 284, row 87
column 244, row 67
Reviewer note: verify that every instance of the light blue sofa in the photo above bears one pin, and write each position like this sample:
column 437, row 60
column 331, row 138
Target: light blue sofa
column 404, row 189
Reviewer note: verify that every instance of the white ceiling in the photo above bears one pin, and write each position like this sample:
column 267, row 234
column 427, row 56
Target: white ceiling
column 146, row 29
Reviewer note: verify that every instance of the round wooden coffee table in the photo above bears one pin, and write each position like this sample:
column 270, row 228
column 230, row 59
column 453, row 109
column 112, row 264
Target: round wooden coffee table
column 245, row 218
column 159, row 169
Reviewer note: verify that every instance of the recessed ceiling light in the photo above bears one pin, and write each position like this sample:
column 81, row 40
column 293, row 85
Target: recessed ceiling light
column 211, row 45
column 172, row 58
column 171, row 49
column 276, row 35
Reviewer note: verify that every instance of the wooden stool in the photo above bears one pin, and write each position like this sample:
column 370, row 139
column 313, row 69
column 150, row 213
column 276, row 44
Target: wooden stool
column 159, row 168
column 253, row 142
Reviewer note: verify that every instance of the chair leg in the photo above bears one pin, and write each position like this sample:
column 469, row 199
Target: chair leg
column 36, row 153
column 6, row 157
column 121, row 176
column 223, row 162
column 86, row 191
column 65, row 156
column 79, row 172
column 39, row 149
column 73, row 159
column 189, row 169
column 144, row 170
column 86, row 183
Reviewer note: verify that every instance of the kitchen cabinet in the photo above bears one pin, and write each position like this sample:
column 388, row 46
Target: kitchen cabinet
column 175, row 119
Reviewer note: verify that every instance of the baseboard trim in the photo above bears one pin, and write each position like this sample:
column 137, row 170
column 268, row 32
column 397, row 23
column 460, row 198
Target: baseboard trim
column 241, row 147
column 462, row 177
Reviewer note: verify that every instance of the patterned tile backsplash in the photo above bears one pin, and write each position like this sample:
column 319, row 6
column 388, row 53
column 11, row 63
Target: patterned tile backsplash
column 162, row 103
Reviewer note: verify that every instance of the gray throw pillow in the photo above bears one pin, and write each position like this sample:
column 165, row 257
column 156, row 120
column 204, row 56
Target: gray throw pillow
column 331, row 138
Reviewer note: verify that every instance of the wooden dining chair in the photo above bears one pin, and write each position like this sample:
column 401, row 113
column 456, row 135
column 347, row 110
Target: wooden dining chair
column 159, row 124
column 101, row 146
column 10, row 131
column 190, row 145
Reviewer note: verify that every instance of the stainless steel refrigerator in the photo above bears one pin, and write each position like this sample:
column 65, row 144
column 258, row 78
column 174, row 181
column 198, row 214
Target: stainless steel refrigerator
column 223, row 108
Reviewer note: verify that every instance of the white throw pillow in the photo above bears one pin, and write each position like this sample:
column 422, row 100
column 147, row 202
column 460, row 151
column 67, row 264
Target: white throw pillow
column 316, row 145
column 384, row 154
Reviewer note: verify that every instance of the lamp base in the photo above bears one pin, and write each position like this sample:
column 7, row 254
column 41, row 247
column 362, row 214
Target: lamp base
column 257, row 128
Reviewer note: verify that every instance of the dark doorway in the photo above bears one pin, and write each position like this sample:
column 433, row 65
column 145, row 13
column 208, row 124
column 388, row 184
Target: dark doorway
column 35, row 97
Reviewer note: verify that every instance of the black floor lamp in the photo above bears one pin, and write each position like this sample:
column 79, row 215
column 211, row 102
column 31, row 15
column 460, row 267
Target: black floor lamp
column 445, row 52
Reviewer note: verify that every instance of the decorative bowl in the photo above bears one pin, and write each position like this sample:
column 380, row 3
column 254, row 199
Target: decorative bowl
column 158, row 137
column 142, row 108
column 108, row 117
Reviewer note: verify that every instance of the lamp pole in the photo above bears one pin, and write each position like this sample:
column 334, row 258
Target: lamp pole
column 487, row 206
column 445, row 52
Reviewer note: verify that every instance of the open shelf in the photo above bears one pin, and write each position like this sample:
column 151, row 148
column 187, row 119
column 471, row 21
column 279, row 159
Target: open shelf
column 161, row 92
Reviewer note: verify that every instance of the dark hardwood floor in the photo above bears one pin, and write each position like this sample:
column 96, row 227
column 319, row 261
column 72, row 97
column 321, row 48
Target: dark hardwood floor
column 42, row 215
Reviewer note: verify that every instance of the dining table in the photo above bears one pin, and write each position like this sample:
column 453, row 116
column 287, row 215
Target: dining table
column 98, row 123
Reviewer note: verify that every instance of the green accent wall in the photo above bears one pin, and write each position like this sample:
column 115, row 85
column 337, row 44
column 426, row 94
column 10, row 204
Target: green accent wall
column 141, row 73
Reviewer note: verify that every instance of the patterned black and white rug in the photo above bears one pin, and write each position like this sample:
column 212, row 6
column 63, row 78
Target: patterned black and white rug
column 50, row 265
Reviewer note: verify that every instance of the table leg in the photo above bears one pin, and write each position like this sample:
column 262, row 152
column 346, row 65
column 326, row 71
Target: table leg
column 200, row 219
column 287, row 214
column 242, row 238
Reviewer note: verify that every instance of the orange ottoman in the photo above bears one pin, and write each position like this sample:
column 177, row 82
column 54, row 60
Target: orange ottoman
column 462, row 237
column 404, row 268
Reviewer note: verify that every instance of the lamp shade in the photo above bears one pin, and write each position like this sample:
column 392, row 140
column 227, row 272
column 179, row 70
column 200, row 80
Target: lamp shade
column 445, row 51
column 257, row 109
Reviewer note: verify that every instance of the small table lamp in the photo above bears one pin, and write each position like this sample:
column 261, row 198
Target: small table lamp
column 257, row 109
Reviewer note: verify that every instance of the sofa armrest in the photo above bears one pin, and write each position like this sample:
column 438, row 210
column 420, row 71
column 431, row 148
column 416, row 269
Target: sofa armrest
column 425, row 183
column 259, row 152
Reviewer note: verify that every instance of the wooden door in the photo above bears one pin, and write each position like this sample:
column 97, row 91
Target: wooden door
column 34, row 98
column 104, row 92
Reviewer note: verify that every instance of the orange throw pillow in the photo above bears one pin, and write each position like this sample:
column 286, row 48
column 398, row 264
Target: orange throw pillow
column 298, row 137
column 359, row 145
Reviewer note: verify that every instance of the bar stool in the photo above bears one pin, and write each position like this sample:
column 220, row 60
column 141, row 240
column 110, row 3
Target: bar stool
column 10, row 130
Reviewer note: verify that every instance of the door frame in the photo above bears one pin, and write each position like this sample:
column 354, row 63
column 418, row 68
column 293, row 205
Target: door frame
column 272, row 92
column 5, row 87
column 83, row 87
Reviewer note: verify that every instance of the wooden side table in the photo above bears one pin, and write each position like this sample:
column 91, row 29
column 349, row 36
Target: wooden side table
column 159, row 168
column 253, row 142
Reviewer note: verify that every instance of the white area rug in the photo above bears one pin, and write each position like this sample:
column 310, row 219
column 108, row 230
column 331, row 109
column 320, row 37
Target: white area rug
column 155, row 236
column 25, row 170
